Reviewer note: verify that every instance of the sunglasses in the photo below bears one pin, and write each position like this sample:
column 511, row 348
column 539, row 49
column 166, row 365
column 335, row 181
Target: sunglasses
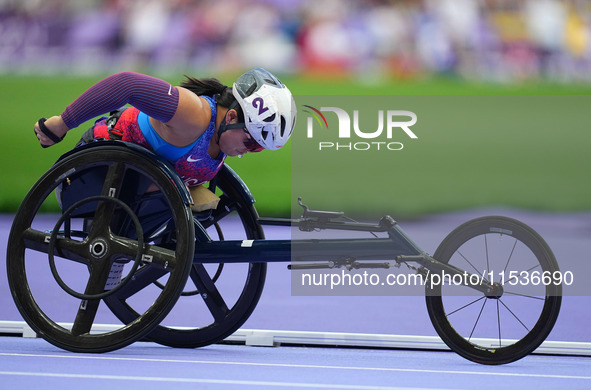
column 251, row 145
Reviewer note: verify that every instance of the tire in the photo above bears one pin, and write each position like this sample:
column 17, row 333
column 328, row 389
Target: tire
column 498, row 329
column 218, row 298
column 97, row 232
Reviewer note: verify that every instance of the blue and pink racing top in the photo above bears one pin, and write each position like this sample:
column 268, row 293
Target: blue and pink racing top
column 192, row 162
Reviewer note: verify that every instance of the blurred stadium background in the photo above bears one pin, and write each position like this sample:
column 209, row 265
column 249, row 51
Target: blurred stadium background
column 493, row 40
column 51, row 50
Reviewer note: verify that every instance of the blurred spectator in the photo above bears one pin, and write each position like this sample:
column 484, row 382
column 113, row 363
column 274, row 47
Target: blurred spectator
column 491, row 40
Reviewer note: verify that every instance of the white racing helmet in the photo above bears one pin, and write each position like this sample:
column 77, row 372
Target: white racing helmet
column 268, row 106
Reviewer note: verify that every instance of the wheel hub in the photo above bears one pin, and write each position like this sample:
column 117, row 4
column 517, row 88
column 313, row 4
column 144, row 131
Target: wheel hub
column 98, row 248
column 496, row 292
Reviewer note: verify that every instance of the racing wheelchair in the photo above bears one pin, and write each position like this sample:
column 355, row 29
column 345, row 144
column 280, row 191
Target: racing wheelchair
column 128, row 238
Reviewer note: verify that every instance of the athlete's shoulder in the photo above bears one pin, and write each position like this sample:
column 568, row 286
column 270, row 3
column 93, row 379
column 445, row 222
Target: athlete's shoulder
column 192, row 111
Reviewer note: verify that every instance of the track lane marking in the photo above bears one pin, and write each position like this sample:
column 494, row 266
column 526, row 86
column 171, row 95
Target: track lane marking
column 348, row 368
column 290, row 385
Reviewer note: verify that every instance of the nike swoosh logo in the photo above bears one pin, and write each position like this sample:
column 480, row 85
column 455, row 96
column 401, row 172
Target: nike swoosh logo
column 190, row 159
column 170, row 90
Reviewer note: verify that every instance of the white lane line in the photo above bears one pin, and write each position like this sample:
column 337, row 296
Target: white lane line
column 348, row 368
column 290, row 385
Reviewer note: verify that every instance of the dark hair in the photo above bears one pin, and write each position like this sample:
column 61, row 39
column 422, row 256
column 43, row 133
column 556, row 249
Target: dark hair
column 210, row 86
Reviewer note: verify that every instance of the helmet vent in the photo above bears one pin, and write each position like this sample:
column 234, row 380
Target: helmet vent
column 282, row 125
column 250, row 90
column 270, row 119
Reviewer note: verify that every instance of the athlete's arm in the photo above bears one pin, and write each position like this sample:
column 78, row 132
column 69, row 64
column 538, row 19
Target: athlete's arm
column 155, row 97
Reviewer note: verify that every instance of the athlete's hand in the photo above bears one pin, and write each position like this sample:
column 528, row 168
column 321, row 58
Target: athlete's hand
column 56, row 125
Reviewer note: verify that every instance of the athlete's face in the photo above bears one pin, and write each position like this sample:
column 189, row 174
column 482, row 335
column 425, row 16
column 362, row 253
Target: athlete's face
column 233, row 142
column 236, row 142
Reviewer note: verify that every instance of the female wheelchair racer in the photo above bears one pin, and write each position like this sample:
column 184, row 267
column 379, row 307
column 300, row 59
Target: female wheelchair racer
column 190, row 129
column 126, row 212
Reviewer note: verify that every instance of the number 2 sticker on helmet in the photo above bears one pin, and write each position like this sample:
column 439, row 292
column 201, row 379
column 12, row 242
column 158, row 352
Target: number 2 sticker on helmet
column 260, row 104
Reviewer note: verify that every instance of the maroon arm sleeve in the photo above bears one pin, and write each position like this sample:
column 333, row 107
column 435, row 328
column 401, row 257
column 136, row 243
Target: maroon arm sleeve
column 155, row 97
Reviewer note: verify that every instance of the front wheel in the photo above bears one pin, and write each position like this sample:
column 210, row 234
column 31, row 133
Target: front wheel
column 507, row 326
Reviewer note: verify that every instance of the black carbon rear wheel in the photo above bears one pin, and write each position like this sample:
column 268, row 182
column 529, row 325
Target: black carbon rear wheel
column 218, row 298
column 95, row 248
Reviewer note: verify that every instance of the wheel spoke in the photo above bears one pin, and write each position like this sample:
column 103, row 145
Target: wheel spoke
column 128, row 248
column 513, row 314
column 510, row 256
column 85, row 317
column 64, row 247
column 99, row 273
column 465, row 306
column 209, row 292
column 499, row 323
column 471, row 265
column 143, row 277
column 477, row 319
column 524, row 295
column 124, row 247
column 163, row 257
column 104, row 211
